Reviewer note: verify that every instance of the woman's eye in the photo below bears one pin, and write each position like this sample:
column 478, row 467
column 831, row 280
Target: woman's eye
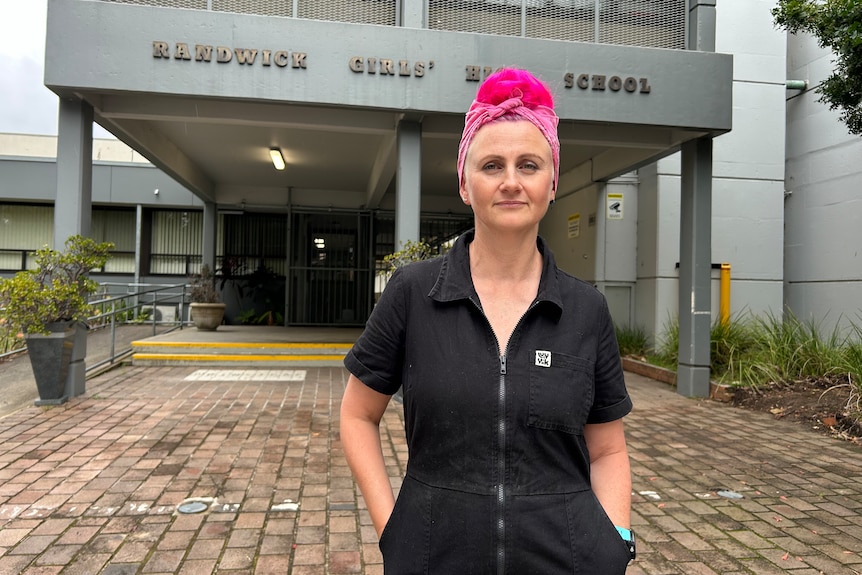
column 489, row 166
column 529, row 166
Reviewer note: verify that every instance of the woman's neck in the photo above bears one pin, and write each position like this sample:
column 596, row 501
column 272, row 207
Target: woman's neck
column 505, row 257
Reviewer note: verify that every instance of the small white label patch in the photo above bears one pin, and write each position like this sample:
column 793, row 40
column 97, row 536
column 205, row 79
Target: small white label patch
column 543, row 358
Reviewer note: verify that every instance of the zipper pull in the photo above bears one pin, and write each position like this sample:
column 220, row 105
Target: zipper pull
column 502, row 365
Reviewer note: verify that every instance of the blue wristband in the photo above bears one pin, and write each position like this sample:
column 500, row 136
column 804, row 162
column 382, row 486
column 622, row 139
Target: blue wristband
column 626, row 534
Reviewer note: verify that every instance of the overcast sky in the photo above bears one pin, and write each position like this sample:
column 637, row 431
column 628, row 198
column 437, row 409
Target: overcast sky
column 26, row 105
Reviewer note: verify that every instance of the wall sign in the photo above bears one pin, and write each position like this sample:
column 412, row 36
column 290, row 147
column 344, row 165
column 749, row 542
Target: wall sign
column 574, row 224
column 225, row 54
column 373, row 65
column 615, row 206
column 602, row 82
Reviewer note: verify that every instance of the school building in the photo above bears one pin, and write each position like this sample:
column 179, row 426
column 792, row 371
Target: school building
column 291, row 145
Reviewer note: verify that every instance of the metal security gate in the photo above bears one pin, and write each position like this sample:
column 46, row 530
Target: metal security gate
column 331, row 262
column 335, row 256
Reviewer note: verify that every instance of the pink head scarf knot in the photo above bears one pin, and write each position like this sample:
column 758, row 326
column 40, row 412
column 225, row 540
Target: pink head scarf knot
column 481, row 113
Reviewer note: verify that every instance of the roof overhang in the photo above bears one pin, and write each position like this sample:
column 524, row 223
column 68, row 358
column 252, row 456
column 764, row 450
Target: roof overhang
column 331, row 95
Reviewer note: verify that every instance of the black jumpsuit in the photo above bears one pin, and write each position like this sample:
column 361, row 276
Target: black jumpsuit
column 498, row 477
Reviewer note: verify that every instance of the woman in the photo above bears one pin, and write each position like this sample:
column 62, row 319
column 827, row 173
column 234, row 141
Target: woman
column 512, row 384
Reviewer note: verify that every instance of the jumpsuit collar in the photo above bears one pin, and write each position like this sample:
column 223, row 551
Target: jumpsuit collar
column 454, row 281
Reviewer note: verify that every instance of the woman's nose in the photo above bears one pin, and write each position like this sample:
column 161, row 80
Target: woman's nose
column 511, row 179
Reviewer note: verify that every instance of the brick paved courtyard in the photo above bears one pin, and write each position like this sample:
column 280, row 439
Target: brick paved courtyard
column 94, row 486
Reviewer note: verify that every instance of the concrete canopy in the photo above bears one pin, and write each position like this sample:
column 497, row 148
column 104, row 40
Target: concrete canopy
column 331, row 95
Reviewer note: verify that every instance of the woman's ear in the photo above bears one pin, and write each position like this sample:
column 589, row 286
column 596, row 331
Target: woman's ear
column 465, row 197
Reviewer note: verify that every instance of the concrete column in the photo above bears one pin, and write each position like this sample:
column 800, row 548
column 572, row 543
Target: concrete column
column 695, row 264
column 414, row 14
column 695, row 253
column 408, row 183
column 73, row 206
column 701, row 25
column 208, row 249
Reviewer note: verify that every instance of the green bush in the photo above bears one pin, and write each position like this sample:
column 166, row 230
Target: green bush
column 410, row 252
column 631, row 340
column 57, row 290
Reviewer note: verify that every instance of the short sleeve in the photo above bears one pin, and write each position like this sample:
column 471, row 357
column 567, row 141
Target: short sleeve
column 377, row 356
column 612, row 399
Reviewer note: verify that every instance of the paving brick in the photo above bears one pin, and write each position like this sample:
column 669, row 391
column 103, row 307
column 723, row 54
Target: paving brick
column 11, row 537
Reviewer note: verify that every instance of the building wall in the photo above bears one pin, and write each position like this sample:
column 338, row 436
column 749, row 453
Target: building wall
column 748, row 173
column 823, row 205
column 574, row 253
column 121, row 176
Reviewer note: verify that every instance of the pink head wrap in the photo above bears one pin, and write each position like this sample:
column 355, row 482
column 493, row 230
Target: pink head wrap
column 514, row 94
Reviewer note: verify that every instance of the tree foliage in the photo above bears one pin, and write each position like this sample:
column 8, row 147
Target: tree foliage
column 57, row 290
column 837, row 25
column 411, row 252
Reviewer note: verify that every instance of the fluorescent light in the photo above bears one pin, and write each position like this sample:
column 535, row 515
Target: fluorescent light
column 277, row 158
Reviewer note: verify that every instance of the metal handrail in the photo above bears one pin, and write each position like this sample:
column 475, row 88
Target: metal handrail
column 132, row 304
column 150, row 296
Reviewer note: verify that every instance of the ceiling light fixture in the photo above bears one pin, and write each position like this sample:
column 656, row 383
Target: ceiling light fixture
column 277, row 158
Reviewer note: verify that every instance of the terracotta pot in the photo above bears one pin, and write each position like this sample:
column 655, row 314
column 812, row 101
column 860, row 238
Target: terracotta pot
column 207, row 316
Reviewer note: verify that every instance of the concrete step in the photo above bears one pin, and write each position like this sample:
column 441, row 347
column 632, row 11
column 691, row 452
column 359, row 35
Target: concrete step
column 233, row 353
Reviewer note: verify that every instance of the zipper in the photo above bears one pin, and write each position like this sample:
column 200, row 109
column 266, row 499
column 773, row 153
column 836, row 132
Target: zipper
column 501, row 468
column 500, row 487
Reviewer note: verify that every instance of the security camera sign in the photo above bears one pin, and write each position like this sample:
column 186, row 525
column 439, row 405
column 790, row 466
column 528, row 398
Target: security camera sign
column 615, row 206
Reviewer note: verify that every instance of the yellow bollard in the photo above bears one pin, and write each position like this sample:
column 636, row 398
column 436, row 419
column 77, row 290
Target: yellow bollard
column 724, row 295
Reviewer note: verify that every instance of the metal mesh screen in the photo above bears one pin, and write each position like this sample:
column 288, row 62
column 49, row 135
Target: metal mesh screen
column 501, row 17
column 192, row 4
column 262, row 7
column 656, row 23
column 380, row 12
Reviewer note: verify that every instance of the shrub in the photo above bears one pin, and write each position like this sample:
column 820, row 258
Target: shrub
column 202, row 287
column 57, row 290
column 631, row 340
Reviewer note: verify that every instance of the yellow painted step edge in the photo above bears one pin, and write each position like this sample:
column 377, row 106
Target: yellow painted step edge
column 243, row 345
column 216, row 357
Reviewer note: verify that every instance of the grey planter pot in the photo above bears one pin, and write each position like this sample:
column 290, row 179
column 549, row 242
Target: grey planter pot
column 207, row 316
column 50, row 356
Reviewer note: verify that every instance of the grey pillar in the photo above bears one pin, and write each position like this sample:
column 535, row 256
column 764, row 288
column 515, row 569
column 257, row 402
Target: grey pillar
column 695, row 264
column 407, row 183
column 413, row 14
column 73, row 206
column 701, row 25
column 208, row 249
column 695, row 253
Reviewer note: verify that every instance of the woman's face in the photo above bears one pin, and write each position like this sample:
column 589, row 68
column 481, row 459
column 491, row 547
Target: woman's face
column 508, row 175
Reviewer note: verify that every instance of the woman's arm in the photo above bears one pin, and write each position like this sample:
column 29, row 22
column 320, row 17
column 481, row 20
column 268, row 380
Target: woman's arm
column 361, row 411
column 610, row 472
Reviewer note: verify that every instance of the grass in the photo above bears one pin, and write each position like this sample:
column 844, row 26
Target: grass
column 632, row 340
column 757, row 350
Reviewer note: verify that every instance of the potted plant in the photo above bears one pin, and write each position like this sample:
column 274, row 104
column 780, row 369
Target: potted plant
column 206, row 309
column 48, row 306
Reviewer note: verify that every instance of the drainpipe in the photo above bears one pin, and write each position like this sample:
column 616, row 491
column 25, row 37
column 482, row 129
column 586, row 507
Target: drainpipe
column 724, row 295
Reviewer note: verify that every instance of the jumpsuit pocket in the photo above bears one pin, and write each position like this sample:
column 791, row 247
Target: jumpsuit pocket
column 436, row 531
column 596, row 545
column 404, row 541
column 561, row 392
